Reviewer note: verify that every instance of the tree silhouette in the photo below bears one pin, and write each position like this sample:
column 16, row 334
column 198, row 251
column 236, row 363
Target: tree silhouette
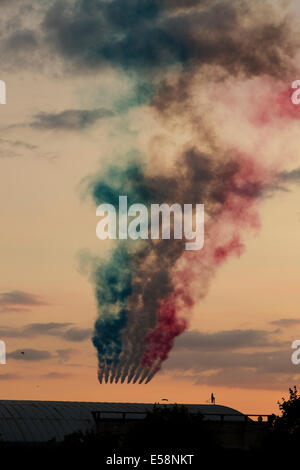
column 285, row 431
column 289, row 421
column 172, row 428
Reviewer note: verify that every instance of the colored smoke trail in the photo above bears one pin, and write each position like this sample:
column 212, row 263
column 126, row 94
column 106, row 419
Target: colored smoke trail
column 146, row 290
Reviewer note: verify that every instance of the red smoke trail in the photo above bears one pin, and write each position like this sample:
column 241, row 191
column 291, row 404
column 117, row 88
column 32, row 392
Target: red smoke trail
column 160, row 340
column 269, row 101
column 238, row 212
column 234, row 246
column 277, row 104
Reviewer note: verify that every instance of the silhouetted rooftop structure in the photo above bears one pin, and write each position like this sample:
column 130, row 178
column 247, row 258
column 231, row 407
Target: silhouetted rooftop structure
column 41, row 421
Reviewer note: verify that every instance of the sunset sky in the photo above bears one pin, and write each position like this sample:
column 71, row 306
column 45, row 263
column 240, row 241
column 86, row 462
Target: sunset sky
column 70, row 114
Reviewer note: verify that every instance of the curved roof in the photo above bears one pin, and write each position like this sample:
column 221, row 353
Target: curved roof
column 41, row 421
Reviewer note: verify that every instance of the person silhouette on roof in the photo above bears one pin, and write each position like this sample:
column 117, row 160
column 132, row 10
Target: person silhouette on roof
column 212, row 399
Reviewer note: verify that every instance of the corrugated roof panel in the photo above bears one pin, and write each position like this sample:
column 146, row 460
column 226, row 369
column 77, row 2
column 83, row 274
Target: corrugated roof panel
column 9, row 431
column 41, row 428
column 55, row 420
column 84, row 411
column 28, row 433
column 53, row 430
column 13, row 419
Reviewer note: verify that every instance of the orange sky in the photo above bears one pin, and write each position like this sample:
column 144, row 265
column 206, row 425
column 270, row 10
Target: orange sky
column 46, row 223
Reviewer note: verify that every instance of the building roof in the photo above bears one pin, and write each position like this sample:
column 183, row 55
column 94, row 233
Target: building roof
column 41, row 421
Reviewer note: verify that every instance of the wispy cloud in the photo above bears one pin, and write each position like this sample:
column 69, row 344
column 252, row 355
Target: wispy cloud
column 24, row 39
column 10, row 148
column 65, row 354
column 67, row 120
column 55, row 375
column 29, row 355
column 19, row 301
column 292, row 176
column 65, row 331
column 77, row 334
column 243, row 379
column 70, row 120
column 9, row 377
column 225, row 340
column 286, row 322
column 18, row 297
column 237, row 358
column 18, row 143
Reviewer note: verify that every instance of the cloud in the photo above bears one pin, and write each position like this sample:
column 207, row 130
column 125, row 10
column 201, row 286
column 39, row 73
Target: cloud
column 29, row 355
column 17, row 297
column 153, row 35
column 223, row 340
column 63, row 330
column 11, row 148
column 13, row 309
column 55, row 375
column 8, row 153
column 277, row 361
column 257, row 370
column 77, row 334
column 9, row 377
column 210, row 359
column 51, row 329
column 8, row 332
column 70, row 120
column 15, row 148
column 18, row 143
column 248, row 379
column 283, row 180
column 24, row 40
column 65, row 354
column 22, row 45
column 286, row 322
column 292, row 176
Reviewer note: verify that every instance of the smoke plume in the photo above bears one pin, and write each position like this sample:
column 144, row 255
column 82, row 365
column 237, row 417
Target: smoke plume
column 146, row 290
